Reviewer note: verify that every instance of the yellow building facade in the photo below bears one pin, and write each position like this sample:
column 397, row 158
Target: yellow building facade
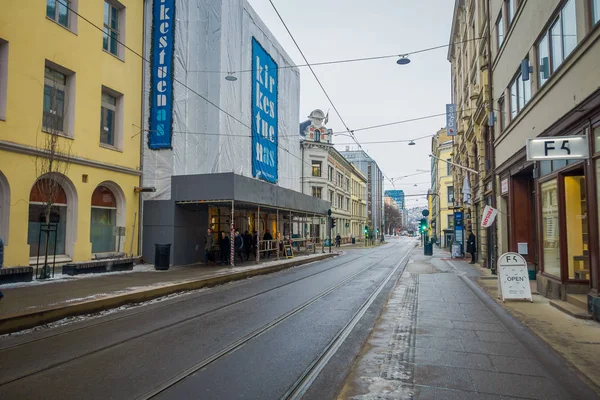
column 442, row 190
column 63, row 77
column 358, row 197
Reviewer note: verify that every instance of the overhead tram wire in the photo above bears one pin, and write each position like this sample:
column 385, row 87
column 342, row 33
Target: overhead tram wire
column 319, row 82
column 177, row 80
column 348, row 60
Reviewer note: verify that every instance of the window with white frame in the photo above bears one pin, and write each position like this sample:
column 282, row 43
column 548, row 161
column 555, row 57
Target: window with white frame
column 331, row 197
column 58, row 11
column 3, row 77
column 55, row 101
column 450, row 194
column 558, row 42
column 108, row 119
column 113, row 22
column 316, row 168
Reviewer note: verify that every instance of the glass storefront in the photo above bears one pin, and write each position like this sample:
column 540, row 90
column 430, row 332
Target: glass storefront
column 550, row 228
column 37, row 221
column 103, row 221
column 576, row 220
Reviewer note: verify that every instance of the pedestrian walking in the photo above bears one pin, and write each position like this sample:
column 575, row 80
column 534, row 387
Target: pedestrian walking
column 471, row 246
column 268, row 238
column 238, row 243
column 338, row 240
column 247, row 245
column 209, row 242
column 225, row 248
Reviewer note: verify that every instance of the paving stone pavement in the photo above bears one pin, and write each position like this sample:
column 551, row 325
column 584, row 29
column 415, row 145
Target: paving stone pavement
column 437, row 340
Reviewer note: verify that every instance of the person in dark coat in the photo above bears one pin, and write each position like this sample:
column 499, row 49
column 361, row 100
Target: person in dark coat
column 225, row 248
column 238, row 243
column 209, row 242
column 338, row 240
column 267, row 238
column 247, row 245
column 471, row 246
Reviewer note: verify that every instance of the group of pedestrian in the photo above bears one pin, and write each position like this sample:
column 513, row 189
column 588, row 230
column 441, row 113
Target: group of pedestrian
column 244, row 246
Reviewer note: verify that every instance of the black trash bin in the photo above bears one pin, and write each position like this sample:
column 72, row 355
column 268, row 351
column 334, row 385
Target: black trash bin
column 353, row 240
column 428, row 248
column 162, row 256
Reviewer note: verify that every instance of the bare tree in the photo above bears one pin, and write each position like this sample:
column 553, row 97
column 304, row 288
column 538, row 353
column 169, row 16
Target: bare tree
column 393, row 218
column 53, row 157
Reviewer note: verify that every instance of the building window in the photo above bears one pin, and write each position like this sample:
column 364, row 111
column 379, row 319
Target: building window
column 58, row 11
column 331, row 197
column 340, row 201
column 347, row 184
column 108, row 117
column 520, row 94
column 595, row 11
column 317, row 192
column 510, row 11
column 500, row 30
column 103, row 220
column 543, row 60
column 347, row 204
column 55, row 100
column 3, row 77
column 316, row 168
column 550, row 228
column 111, row 28
column 330, row 174
column 450, row 194
column 47, row 195
column 451, row 221
column 448, row 167
column 558, row 42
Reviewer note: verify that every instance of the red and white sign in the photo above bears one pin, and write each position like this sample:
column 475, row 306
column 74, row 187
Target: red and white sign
column 489, row 215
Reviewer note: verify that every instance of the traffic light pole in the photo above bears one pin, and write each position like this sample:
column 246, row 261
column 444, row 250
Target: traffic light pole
column 330, row 234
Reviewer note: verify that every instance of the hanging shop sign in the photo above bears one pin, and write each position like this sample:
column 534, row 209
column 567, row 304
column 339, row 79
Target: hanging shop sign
column 504, row 186
column 161, row 75
column 489, row 215
column 558, row 148
column 513, row 278
column 264, row 114
column 451, row 119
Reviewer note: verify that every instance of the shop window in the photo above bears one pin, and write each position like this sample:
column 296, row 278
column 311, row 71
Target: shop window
column 47, row 195
column 597, row 137
column 550, row 228
column 316, row 168
column 103, row 220
column 577, row 226
column 598, row 186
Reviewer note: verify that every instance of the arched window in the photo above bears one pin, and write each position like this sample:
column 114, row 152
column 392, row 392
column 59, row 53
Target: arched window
column 45, row 192
column 4, row 208
column 103, row 220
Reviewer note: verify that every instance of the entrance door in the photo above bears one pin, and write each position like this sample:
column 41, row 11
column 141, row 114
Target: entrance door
column 522, row 215
column 576, row 226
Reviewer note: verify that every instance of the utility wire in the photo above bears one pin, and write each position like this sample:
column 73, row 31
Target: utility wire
column 348, row 60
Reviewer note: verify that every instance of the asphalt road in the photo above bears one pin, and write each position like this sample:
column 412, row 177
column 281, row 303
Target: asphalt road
column 253, row 339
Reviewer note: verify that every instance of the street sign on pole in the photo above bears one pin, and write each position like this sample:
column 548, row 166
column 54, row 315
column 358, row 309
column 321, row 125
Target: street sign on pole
column 513, row 278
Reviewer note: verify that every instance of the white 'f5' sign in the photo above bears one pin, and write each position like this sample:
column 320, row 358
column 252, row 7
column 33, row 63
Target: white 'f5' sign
column 558, row 148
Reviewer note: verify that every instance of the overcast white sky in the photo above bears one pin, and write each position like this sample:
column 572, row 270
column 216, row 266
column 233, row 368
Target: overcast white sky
column 373, row 92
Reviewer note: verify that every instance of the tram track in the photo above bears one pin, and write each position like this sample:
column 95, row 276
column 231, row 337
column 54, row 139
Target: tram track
column 303, row 383
column 171, row 325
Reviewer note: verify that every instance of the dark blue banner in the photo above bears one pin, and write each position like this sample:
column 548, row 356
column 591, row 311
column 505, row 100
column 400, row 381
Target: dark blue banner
column 161, row 73
column 264, row 114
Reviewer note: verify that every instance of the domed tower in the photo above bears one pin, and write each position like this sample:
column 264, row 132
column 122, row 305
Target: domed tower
column 314, row 128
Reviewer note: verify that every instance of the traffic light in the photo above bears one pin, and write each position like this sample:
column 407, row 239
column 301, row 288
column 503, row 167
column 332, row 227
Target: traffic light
column 423, row 226
column 366, row 231
column 332, row 223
